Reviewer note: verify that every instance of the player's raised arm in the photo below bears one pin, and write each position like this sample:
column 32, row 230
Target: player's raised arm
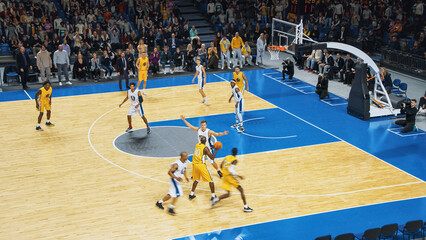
column 217, row 134
column 188, row 124
column 208, row 153
column 172, row 169
column 245, row 79
column 127, row 97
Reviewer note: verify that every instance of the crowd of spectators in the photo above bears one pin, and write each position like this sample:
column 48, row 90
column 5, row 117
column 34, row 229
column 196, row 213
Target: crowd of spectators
column 372, row 25
column 109, row 27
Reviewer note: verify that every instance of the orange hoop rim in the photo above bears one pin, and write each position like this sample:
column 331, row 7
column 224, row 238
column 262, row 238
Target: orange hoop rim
column 277, row 48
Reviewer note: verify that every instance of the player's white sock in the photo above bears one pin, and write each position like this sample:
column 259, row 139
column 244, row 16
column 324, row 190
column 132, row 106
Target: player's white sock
column 161, row 201
column 38, row 124
column 213, row 195
column 48, row 121
column 192, row 194
column 171, row 206
column 245, row 206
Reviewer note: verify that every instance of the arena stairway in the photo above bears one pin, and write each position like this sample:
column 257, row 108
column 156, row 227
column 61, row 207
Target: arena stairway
column 196, row 18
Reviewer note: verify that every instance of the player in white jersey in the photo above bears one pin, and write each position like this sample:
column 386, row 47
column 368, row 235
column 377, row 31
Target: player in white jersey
column 136, row 100
column 239, row 106
column 176, row 173
column 210, row 136
column 200, row 74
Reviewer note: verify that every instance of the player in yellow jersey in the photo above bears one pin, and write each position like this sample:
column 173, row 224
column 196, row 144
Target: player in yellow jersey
column 199, row 167
column 240, row 80
column 43, row 99
column 230, row 179
column 143, row 65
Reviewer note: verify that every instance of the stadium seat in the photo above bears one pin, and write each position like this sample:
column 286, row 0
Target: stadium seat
column 389, row 231
column 370, row 234
column 346, row 236
column 10, row 72
column 396, row 83
column 403, row 89
column 412, row 228
column 328, row 237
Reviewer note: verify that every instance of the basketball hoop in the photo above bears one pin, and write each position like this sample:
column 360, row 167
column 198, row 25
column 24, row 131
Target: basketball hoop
column 275, row 51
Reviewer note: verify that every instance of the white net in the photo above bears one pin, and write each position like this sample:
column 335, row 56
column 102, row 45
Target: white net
column 275, row 54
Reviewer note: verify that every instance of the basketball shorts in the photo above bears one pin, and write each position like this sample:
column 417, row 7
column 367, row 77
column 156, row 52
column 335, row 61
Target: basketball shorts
column 133, row 111
column 240, row 108
column 44, row 105
column 175, row 189
column 201, row 171
column 143, row 76
column 200, row 83
column 228, row 182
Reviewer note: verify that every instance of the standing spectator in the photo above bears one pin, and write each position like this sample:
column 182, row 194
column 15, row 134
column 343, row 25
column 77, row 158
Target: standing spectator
column 95, row 67
column 115, row 39
column 177, row 58
column 123, row 70
column 202, row 54
column 212, row 57
column 44, row 63
column 166, row 58
column 264, row 12
column 62, row 63
column 80, row 68
column 23, row 62
column 211, row 10
column 237, row 44
column 246, row 54
column 35, row 44
column 224, row 50
column 131, row 61
column 77, row 42
column 66, row 47
column 261, row 44
column 189, row 58
column 154, row 58
column 106, row 65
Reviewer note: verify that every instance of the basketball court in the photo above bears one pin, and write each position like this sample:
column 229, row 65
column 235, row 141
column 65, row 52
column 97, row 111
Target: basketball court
column 304, row 161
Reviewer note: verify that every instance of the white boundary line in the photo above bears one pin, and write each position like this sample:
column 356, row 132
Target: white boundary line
column 25, row 91
column 313, row 125
column 332, row 104
column 405, row 135
column 279, row 82
column 305, row 215
column 256, row 136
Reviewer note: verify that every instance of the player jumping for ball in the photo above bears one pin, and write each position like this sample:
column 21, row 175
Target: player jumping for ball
column 239, row 106
column 43, row 99
column 209, row 135
column 135, row 107
column 230, row 179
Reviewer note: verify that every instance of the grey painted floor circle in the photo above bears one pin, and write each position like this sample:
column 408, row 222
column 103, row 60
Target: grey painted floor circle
column 163, row 142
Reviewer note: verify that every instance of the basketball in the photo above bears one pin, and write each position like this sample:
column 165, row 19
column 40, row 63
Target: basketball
column 217, row 145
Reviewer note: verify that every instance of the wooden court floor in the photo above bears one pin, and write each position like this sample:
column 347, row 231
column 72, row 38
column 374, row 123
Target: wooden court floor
column 55, row 186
